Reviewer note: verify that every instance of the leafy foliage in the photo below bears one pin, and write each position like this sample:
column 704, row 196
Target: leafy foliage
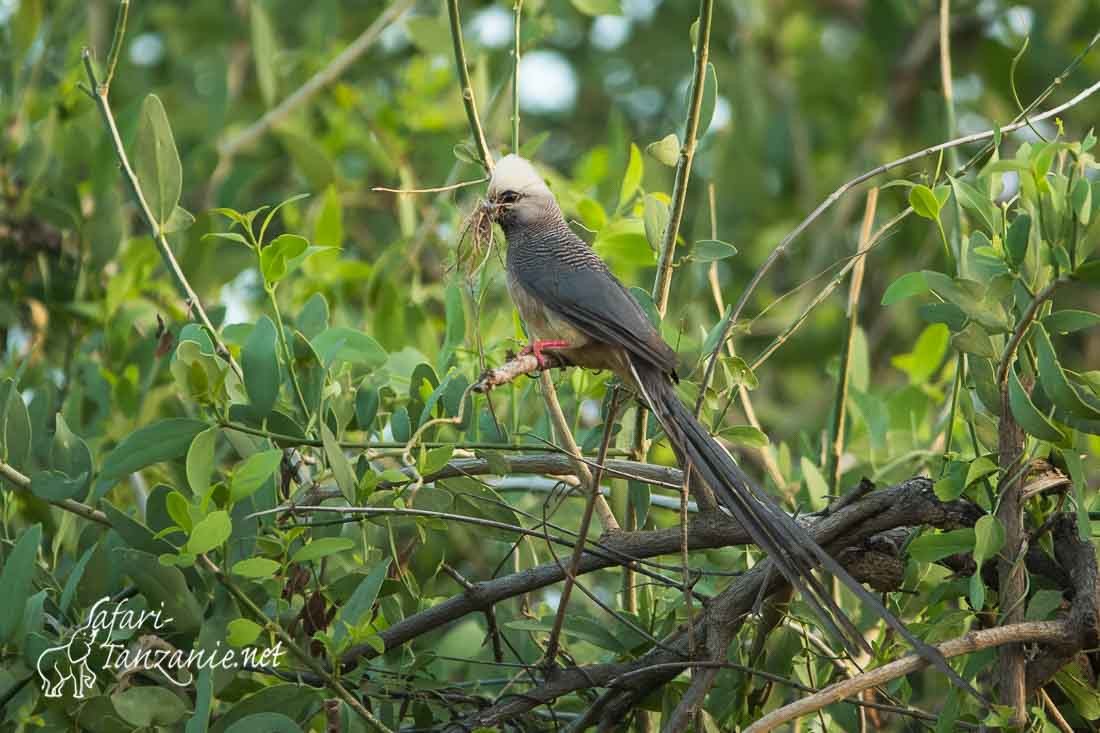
column 350, row 343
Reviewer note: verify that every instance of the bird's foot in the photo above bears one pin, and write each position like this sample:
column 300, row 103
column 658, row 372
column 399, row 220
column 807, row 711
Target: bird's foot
column 535, row 348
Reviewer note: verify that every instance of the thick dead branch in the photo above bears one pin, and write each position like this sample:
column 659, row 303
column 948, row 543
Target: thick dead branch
column 910, row 503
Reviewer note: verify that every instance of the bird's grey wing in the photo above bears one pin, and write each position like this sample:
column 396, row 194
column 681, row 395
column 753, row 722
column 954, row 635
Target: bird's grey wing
column 587, row 295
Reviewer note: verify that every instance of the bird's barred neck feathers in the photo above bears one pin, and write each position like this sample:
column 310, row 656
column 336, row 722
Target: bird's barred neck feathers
column 513, row 173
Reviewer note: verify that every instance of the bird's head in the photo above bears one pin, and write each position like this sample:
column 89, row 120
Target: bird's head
column 517, row 194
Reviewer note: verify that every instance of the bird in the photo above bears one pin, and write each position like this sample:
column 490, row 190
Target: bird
column 576, row 311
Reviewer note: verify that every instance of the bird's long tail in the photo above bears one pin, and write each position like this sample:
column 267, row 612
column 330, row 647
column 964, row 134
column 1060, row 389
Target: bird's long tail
column 789, row 546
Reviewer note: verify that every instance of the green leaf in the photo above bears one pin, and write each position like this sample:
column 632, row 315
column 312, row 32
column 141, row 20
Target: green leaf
column 242, row 632
column 1085, row 699
column 746, row 435
column 1043, row 604
column 260, row 364
column 253, row 473
column 712, row 250
column 16, row 580
column 1054, row 380
column 989, row 538
column 435, row 459
column 816, row 484
column 264, row 50
column 15, row 426
column 267, row 722
column 157, row 162
column 178, row 509
column 598, row 7
column 341, row 343
column 256, row 568
column 322, row 547
column 1019, row 232
column 924, row 360
column 978, row 202
column 666, row 150
column 275, row 257
column 354, row 611
column 162, row 584
column 1076, row 468
column 179, row 221
column 200, row 460
column 710, row 99
column 924, row 202
column 632, row 178
column 328, row 230
column 146, row 706
column 210, row 532
column 953, row 483
column 1068, row 321
column 906, row 286
column 161, row 441
column 1081, row 198
column 366, row 405
column 979, row 468
column 313, row 318
column 71, row 464
column 1088, row 272
column 974, row 340
column 933, row 546
column 338, row 462
column 1027, row 415
column 655, row 216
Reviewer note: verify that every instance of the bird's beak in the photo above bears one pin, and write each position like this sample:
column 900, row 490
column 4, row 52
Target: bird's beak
column 492, row 207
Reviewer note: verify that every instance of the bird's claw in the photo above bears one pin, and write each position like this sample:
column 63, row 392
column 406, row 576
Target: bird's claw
column 535, row 349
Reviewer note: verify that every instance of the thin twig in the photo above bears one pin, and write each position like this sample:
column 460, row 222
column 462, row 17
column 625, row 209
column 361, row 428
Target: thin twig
column 316, row 83
column 663, row 280
column 23, row 483
column 99, row 94
column 582, row 533
column 116, row 43
column 781, row 248
column 840, row 401
column 517, row 16
column 1031, row 631
column 436, row 189
column 466, row 87
column 565, row 437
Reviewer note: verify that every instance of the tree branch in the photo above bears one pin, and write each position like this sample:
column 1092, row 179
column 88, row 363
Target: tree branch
column 1050, row 632
column 23, row 483
column 326, row 76
column 99, row 93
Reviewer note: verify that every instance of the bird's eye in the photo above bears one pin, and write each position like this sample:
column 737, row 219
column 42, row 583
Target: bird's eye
column 509, row 197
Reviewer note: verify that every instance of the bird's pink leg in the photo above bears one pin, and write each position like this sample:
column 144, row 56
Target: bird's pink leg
column 536, row 347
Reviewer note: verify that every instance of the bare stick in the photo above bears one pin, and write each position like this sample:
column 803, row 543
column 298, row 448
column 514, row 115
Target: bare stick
column 437, row 189
column 99, row 94
column 832, row 469
column 517, row 16
column 565, row 437
column 1031, row 631
column 326, row 76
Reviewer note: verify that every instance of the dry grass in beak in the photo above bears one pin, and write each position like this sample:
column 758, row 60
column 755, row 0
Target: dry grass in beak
column 476, row 243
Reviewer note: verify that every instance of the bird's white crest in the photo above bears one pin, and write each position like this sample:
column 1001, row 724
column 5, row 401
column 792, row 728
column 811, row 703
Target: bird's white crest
column 513, row 173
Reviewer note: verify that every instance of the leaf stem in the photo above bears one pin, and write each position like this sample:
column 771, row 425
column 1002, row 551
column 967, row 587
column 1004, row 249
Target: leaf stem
column 116, row 44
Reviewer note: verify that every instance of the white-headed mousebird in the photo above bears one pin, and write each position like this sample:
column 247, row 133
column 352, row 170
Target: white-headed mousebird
column 575, row 309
